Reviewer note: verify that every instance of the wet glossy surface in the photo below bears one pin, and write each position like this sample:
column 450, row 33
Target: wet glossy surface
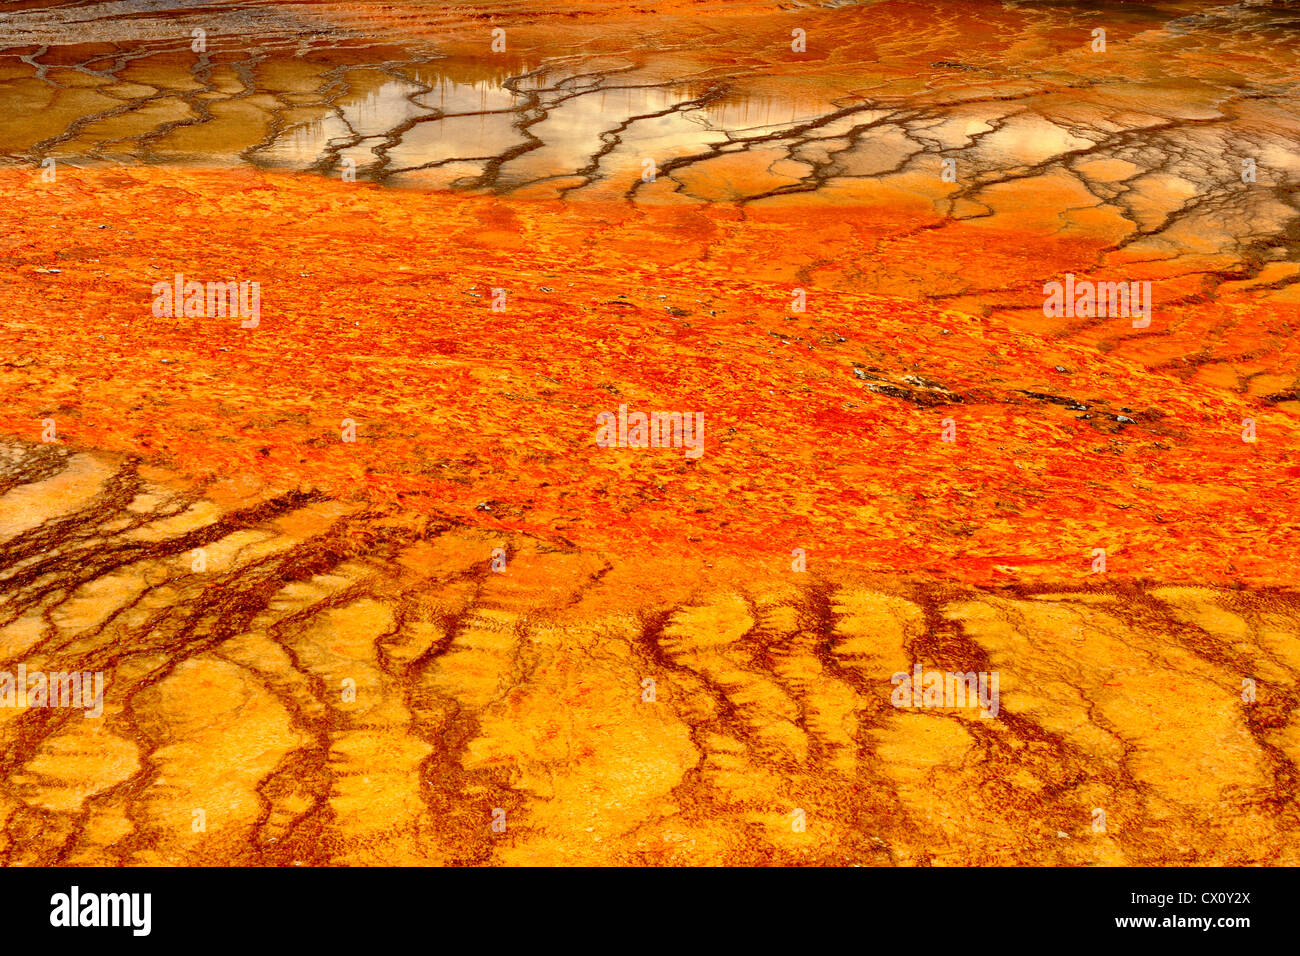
column 1137, row 150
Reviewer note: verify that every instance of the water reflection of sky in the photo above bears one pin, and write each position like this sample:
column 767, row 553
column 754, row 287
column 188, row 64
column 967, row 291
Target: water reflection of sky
column 439, row 119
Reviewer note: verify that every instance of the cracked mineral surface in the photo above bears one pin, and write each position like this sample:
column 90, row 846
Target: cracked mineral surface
column 364, row 588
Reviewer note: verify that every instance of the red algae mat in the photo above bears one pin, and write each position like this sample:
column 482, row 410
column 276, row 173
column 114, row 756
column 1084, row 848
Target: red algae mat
column 688, row 438
column 823, row 429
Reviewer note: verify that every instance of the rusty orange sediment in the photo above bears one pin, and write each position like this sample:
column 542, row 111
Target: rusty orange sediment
column 367, row 651
column 821, row 428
